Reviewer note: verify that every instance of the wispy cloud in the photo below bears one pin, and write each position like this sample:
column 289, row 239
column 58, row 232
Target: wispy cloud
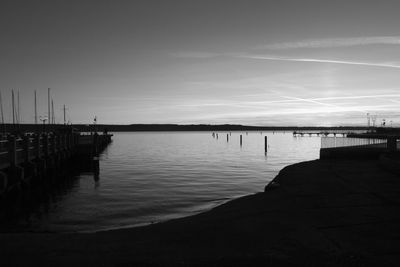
column 316, row 60
column 334, row 42
column 195, row 54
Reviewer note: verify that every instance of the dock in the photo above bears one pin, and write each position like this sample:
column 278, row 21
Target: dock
column 321, row 133
column 29, row 158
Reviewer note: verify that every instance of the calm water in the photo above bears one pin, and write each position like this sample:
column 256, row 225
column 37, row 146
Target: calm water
column 151, row 177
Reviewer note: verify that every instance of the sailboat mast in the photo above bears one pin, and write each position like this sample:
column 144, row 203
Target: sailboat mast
column 13, row 106
column 35, row 109
column 64, row 114
column 52, row 112
column 18, row 109
column 48, row 105
column 2, row 114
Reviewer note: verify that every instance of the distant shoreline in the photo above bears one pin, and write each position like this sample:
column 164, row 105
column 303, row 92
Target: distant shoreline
column 176, row 127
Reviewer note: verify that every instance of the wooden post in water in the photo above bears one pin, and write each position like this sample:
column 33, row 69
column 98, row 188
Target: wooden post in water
column 227, row 137
column 241, row 140
column 266, row 144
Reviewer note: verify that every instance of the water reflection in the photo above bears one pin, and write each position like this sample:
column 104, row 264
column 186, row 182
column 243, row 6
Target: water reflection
column 28, row 205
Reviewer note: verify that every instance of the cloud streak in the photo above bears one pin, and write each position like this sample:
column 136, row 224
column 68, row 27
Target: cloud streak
column 335, row 42
column 316, row 60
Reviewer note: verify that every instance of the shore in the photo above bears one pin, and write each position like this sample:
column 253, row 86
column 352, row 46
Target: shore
column 322, row 212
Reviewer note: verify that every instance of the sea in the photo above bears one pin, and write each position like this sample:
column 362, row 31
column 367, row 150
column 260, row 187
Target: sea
column 150, row 177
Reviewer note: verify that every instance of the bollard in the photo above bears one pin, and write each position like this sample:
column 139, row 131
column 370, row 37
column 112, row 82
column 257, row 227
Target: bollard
column 241, row 140
column 266, row 144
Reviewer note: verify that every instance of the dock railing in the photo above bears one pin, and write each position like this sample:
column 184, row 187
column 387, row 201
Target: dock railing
column 19, row 149
column 336, row 142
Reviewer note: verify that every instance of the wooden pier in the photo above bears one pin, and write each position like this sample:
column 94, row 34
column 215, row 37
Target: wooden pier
column 324, row 133
column 29, row 158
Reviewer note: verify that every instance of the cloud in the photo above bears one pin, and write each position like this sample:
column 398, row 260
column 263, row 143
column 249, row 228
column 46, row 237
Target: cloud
column 195, row 54
column 316, row 60
column 334, row 42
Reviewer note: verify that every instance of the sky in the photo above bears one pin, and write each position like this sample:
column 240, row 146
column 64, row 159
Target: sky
column 247, row 62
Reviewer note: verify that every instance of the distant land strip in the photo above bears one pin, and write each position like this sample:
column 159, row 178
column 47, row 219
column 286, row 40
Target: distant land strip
column 171, row 127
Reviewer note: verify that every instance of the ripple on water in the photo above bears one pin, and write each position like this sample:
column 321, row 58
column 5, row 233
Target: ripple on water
column 149, row 177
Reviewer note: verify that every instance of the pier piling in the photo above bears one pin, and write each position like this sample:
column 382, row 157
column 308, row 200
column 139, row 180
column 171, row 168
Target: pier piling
column 241, row 141
column 266, row 144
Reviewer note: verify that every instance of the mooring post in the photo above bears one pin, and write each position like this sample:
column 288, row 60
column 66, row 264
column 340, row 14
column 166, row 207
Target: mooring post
column 227, row 137
column 266, row 144
column 12, row 150
column 25, row 145
column 241, row 140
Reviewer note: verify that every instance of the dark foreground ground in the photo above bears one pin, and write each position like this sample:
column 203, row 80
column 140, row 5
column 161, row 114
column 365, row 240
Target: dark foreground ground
column 323, row 213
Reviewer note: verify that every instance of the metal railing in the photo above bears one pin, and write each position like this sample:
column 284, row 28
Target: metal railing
column 333, row 142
